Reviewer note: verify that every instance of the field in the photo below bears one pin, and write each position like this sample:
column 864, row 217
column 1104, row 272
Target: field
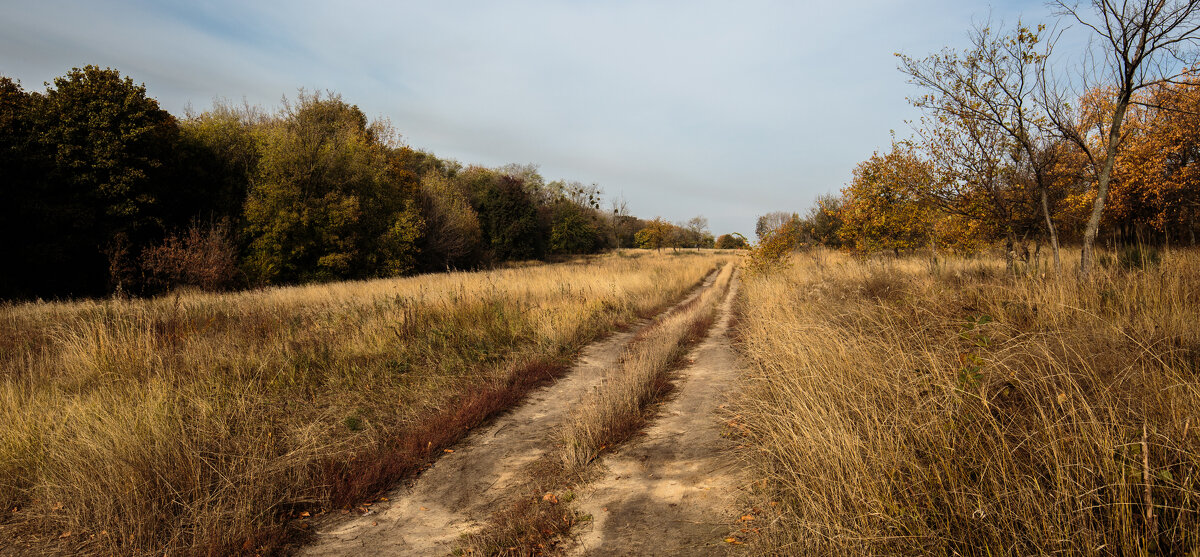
column 895, row 406
column 889, row 405
column 213, row 423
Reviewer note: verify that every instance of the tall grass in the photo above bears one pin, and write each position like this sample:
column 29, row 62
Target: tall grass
column 899, row 407
column 206, row 423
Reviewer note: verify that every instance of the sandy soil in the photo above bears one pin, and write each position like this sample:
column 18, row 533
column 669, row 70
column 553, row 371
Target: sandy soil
column 675, row 490
column 458, row 494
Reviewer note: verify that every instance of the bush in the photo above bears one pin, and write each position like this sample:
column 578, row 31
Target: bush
column 204, row 257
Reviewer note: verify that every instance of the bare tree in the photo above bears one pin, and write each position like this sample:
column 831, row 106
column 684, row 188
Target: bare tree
column 1141, row 44
column 620, row 217
column 990, row 92
column 771, row 222
column 697, row 227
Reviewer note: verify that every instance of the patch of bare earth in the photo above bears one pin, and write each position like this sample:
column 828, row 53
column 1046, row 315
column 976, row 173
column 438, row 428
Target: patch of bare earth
column 676, row 489
column 458, row 494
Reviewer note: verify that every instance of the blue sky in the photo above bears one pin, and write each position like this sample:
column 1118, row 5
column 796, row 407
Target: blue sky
column 724, row 109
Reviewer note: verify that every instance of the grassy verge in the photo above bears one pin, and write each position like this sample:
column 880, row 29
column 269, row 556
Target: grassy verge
column 209, row 423
column 897, row 407
column 541, row 515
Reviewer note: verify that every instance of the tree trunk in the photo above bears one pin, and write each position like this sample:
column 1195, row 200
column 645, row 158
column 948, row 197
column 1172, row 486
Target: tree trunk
column 1052, row 230
column 1088, row 258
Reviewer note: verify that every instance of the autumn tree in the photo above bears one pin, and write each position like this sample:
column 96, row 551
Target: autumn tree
column 1156, row 180
column 1139, row 45
column 657, row 234
column 990, row 134
column 884, row 207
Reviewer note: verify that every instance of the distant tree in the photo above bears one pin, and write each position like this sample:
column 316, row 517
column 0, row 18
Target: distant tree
column 771, row 221
column 219, row 153
column 732, row 241
column 324, row 203
column 824, row 221
column 573, row 231
column 508, row 217
column 697, row 228
column 657, row 234
column 23, row 164
column 453, row 238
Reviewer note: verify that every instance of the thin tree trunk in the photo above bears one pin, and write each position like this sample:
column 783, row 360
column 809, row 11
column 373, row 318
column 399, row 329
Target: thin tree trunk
column 1052, row 230
column 1088, row 257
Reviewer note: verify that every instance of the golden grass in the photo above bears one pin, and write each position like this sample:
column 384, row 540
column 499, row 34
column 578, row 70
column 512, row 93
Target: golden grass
column 886, row 414
column 206, row 423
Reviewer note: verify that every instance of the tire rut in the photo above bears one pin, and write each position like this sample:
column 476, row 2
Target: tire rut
column 675, row 490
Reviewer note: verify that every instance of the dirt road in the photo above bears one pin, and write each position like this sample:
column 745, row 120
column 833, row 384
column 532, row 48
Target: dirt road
column 460, row 491
column 675, row 490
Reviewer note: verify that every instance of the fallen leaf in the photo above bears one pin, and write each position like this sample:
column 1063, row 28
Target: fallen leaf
column 552, row 498
column 57, row 506
column 424, row 509
column 747, row 518
column 66, row 534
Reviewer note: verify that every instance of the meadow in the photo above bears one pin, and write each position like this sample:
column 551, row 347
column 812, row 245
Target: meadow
column 219, row 423
column 902, row 406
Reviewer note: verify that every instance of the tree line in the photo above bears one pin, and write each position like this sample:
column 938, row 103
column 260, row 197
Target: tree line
column 1018, row 150
column 106, row 192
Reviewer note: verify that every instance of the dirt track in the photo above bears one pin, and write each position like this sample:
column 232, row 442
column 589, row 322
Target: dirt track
column 460, row 491
column 673, row 491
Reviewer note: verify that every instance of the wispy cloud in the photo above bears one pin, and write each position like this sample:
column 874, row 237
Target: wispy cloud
column 724, row 109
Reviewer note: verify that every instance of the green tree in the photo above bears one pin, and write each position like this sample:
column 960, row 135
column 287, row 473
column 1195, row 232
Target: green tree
column 325, row 202
column 573, row 230
column 104, row 152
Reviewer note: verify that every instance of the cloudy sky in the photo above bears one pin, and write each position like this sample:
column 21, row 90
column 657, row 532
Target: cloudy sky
column 724, row 109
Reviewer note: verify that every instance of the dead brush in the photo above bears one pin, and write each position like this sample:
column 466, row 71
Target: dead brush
column 984, row 414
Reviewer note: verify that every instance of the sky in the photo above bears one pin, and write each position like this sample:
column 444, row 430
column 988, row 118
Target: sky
column 723, row 109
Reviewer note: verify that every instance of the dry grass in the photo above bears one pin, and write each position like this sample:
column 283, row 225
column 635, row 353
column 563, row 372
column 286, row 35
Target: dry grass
column 887, row 415
column 207, row 423
column 540, row 516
